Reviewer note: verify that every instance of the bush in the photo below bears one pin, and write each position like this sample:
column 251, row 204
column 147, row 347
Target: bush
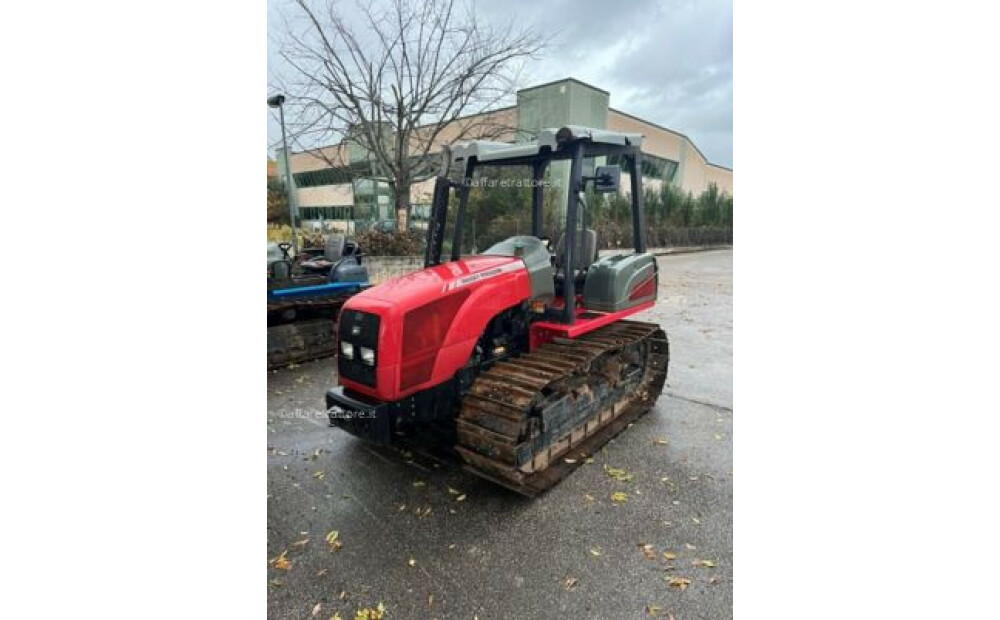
column 375, row 243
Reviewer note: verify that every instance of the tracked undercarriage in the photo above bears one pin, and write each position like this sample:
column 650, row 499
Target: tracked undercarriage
column 522, row 420
column 299, row 330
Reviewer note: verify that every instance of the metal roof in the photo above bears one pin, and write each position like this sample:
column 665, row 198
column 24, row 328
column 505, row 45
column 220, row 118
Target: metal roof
column 485, row 150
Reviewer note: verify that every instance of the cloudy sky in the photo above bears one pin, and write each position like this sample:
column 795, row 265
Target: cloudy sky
column 666, row 61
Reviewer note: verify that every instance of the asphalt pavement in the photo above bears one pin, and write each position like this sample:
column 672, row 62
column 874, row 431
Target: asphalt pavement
column 428, row 540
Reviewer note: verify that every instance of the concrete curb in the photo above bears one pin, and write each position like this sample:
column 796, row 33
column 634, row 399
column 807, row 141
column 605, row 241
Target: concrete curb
column 686, row 249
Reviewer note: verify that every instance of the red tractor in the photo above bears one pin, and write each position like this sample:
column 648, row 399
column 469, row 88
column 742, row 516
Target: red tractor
column 520, row 358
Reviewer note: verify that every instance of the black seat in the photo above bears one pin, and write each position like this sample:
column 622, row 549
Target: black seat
column 584, row 256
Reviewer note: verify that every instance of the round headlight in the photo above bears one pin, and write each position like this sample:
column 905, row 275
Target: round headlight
column 347, row 349
column 367, row 355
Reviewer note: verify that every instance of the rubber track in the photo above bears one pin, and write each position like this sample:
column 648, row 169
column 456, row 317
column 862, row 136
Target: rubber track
column 501, row 436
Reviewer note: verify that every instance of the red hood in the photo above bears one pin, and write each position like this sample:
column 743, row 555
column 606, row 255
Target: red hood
column 481, row 286
column 417, row 288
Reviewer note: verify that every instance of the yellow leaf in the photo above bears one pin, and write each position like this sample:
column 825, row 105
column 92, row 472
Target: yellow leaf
column 571, row 582
column 336, row 616
column 648, row 551
column 460, row 498
column 412, row 562
column 705, row 563
column 618, row 474
column 300, row 543
column 679, row 582
column 281, row 562
column 589, row 460
column 319, row 475
column 667, row 555
column 595, row 551
column 619, row 497
column 660, row 442
column 653, row 610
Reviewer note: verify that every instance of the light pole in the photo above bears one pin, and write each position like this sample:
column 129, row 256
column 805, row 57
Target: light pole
column 276, row 101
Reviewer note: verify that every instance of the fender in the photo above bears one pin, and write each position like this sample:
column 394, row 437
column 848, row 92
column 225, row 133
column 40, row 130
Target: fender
column 430, row 320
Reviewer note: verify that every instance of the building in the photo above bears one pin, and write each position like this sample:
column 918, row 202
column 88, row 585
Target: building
column 347, row 198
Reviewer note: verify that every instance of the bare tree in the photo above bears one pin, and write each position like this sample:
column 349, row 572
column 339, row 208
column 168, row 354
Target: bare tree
column 390, row 76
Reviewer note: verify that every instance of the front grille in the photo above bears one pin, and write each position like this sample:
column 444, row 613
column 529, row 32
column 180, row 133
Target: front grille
column 367, row 327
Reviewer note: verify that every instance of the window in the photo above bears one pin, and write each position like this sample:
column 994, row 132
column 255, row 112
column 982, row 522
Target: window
column 331, row 176
column 344, row 212
column 653, row 167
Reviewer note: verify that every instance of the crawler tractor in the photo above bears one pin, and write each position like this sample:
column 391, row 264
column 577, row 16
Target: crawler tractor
column 521, row 359
column 304, row 298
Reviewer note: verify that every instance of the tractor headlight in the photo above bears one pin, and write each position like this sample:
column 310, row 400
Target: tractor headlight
column 367, row 355
column 347, row 349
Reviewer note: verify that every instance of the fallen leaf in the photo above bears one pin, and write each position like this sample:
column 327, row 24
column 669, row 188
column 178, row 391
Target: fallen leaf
column 451, row 546
column 460, row 498
column 419, row 483
column 277, row 583
column 696, row 520
column 705, row 563
column 595, row 551
column 690, row 546
column 315, row 455
column 648, row 551
column 332, row 540
column 316, row 609
column 281, row 562
column 336, row 616
column 653, row 611
column 589, row 497
column 430, row 600
column 571, row 582
column 667, row 555
column 660, row 442
column 300, row 543
column 588, row 460
column 319, row 475
column 718, row 436
column 321, row 572
column 618, row 474
column 454, row 491
column 619, row 497
column 412, row 562
column 679, row 582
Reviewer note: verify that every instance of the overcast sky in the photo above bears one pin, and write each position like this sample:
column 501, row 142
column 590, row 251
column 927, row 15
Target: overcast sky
column 666, row 61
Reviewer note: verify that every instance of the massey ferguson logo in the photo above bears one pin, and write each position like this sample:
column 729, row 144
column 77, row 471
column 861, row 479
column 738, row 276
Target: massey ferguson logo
column 482, row 275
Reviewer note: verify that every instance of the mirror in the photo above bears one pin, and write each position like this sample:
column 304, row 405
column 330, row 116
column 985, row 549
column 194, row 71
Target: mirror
column 607, row 179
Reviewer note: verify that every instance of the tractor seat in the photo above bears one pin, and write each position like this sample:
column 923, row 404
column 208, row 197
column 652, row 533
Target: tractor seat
column 582, row 259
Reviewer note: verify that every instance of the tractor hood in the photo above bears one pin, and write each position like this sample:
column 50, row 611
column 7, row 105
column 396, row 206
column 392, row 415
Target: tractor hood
column 427, row 322
column 420, row 287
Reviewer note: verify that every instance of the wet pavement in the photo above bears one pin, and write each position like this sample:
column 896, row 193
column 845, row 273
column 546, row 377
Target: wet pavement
column 428, row 540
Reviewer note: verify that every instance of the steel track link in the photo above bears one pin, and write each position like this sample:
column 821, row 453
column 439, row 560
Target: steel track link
column 528, row 422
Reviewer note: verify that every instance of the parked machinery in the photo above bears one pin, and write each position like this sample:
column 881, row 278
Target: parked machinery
column 304, row 298
column 519, row 357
